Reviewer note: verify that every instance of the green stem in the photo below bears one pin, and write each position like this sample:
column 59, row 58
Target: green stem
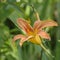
column 47, row 51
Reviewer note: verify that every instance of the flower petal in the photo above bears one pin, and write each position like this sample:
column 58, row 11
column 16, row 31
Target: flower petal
column 36, row 24
column 22, row 37
column 43, row 34
column 23, row 40
column 19, row 36
column 24, row 25
column 47, row 23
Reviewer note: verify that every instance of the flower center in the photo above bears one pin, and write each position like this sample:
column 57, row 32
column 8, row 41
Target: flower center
column 36, row 39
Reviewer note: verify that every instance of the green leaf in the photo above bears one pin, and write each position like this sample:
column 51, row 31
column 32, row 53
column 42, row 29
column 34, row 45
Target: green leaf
column 5, row 10
column 14, row 16
column 47, row 9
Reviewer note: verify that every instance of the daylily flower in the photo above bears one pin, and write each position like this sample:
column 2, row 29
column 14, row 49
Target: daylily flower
column 35, row 33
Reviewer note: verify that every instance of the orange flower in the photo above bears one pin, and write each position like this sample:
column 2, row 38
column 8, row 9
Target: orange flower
column 35, row 33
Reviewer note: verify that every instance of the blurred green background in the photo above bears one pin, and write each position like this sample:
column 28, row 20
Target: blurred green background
column 10, row 11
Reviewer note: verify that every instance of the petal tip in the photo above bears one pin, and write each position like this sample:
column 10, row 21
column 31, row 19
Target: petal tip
column 49, row 39
column 19, row 19
column 20, row 44
column 14, row 39
column 56, row 24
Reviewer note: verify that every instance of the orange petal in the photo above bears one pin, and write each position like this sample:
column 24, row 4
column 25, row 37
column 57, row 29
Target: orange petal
column 23, row 40
column 18, row 37
column 36, row 24
column 43, row 34
column 22, row 37
column 24, row 25
column 47, row 23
